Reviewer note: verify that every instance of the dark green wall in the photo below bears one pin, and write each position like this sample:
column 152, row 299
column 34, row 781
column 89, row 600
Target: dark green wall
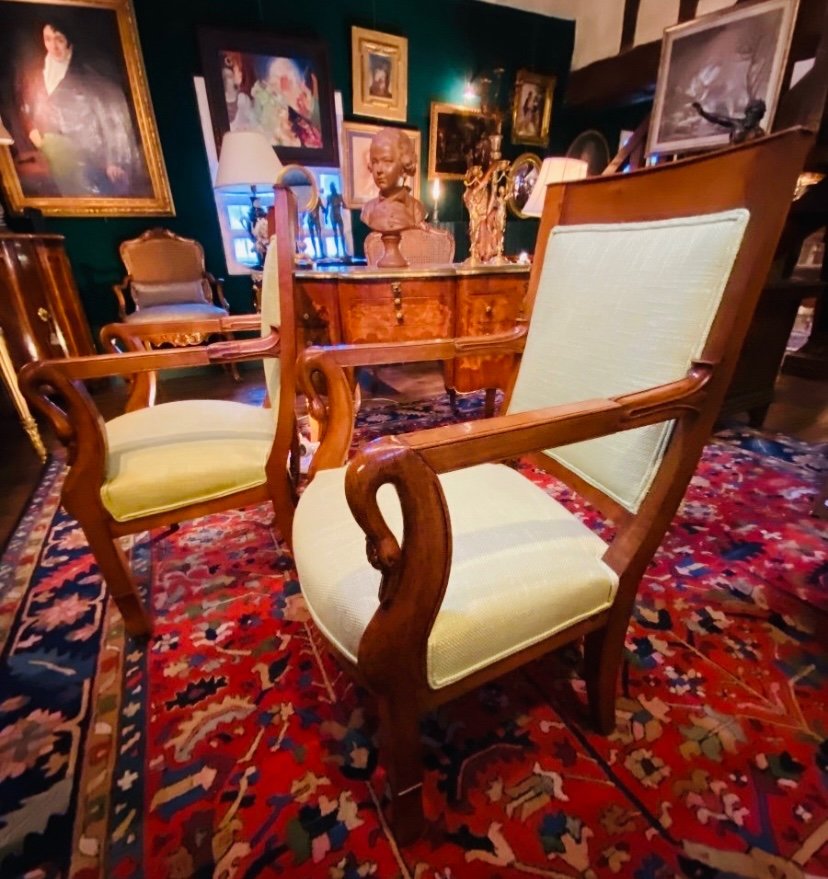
column 447, row 39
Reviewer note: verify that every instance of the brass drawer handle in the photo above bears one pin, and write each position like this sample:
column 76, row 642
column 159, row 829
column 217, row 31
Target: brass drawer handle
column 489, row 310
column 44, row 315
column 400, row 316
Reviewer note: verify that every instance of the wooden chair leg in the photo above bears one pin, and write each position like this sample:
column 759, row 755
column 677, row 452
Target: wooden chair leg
column 603, row 651
column 401, row 754
column 114, row 569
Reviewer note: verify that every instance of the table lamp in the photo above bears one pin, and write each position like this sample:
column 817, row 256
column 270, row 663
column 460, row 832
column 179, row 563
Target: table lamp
column 555, row 169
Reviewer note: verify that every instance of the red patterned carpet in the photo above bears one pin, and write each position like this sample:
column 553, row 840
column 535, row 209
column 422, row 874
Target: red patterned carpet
column 232, row 746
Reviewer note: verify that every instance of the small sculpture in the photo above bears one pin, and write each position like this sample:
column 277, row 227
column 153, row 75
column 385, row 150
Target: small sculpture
column 741, row 128
column 333, row 215
column 485, row 200
column 391, row 158
column 255, row 225
column 313, row 221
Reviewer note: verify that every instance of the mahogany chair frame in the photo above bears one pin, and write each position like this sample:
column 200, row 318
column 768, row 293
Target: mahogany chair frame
column 391, row 657
column 55, row 389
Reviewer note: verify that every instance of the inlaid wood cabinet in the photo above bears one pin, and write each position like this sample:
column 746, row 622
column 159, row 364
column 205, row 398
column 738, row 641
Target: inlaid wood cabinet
column 359, row 305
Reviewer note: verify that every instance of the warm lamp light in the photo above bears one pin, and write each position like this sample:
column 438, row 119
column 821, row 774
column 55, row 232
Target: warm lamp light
column 555, row 169
column 246, row 159
column 435, row 195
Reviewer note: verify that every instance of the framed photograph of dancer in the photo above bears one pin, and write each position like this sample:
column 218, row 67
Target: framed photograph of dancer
column 274, row 84
column 74, row 98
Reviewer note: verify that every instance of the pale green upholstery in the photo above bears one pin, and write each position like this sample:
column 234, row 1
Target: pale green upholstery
column 167, row 456
column 625, row 307
column 271, row 317
column 522, row 568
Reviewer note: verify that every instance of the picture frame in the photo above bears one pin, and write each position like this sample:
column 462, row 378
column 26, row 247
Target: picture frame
column 532, row 108
column 102, row 159
column 521, row 179
column 358, row 186
column 591, row 146
column 379, row 74
column 457, row 138
column 721, row 61
column 279, row 85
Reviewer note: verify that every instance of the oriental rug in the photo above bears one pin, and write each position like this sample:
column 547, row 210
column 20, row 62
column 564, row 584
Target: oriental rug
column 231, row 746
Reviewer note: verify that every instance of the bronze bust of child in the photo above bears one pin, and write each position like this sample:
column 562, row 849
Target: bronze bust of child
column 390, row 159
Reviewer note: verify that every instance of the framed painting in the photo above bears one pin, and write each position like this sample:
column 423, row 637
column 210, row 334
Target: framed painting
column 73, row 95
column 591, row 147
column 379, row 74
column 358, row 185
column 717, row 65
column 458, row 137
column 520, row 181
column 274, row 84
column 532, row 108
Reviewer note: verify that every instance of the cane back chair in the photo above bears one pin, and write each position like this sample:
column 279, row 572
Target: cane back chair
column 641, row 291
column 421, row 246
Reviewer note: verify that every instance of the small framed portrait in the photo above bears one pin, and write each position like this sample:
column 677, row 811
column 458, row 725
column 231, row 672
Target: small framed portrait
column 458, row 137
column 379, row 74
column 277, row 85
column 532, row 108
column 358, row 185
column 722, row 66
column 591, row 147
column 521, row 180
column 73, row 95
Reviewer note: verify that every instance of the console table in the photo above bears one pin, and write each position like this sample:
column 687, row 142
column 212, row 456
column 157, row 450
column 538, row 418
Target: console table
column 358, row 304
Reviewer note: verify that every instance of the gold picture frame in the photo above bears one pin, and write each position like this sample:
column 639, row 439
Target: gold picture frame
column 532, row 108
column 379, row 74
column 109, row 161
column 455, row 137
column 358, row 186
column 521, row 179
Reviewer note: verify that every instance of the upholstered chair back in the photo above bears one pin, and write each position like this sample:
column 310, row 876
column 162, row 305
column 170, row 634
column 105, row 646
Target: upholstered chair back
column 421, row 246
column 619, row 308
column 271, row 311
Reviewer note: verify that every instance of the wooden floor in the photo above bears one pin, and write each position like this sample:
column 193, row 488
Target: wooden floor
column 800, row 410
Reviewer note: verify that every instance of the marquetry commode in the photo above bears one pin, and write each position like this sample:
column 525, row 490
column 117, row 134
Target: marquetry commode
column 356, row 304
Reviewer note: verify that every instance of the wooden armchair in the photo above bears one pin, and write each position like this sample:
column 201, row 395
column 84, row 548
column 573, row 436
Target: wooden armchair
column 422, row 246
column 641, row 292
column 163, row 464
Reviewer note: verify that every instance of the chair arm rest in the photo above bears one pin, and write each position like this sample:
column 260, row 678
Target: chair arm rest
column 120, row 290
column 507, row 436
column 206, row 326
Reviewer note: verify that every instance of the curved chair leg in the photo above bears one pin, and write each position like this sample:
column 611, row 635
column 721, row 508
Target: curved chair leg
column 114, row 568
column 603, row 651
column 401, row 754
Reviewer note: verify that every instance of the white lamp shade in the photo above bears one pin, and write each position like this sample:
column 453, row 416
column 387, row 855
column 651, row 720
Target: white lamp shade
column 555, row 169
column 5, row 138
column 246, row 159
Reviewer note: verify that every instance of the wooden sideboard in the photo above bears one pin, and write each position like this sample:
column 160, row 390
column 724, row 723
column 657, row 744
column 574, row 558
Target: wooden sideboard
column 356, row 304
column 40, row 311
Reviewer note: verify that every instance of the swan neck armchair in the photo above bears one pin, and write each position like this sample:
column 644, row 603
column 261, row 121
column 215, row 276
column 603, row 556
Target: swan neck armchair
column 641, row 292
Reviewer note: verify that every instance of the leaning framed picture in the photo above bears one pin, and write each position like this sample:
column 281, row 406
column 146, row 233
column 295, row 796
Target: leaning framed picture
column 718, row 64
column 358, row 185
column 274, row 84
column 379, row 74
column 458, row 137
column 532, row 108
column 74, row 97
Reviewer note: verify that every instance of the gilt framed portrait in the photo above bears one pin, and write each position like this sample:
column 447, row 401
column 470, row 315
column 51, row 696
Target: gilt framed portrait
column 532, row 108
column 379, row 74
column 717, row 65
column 520, row 181
column 274, row 84
column 74, row 97
column 358, row 185
column 458, row 137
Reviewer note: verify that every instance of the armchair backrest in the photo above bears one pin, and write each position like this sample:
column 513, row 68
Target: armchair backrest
column 420, row 246
column 639, row 276
column 164, row 268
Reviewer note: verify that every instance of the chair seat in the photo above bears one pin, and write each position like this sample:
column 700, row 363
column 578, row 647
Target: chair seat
column 179, row 311
column 169, row 456
column 523, row 567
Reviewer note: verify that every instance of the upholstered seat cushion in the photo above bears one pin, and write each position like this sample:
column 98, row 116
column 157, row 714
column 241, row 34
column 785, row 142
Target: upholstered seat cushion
column 179, row 453
column 522, row 568
column 148, row 294
column 179, row 311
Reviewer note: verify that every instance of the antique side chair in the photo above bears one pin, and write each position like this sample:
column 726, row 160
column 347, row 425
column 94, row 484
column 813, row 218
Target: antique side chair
column 443, row 569
column 421, row 246
column 156, row 465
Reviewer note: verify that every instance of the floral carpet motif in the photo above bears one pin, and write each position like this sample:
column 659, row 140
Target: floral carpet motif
column 232, row 746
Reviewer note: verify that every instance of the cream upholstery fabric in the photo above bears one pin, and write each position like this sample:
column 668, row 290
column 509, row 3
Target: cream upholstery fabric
column 179, row 453
column 621, row 308
column 523, row 567
column 271, row 317
column 181, row 312
column 147, row 295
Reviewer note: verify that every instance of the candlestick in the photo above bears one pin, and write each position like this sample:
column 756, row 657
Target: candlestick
column 435, row 194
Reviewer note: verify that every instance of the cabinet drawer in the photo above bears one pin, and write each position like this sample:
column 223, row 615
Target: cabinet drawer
column 489, row 307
